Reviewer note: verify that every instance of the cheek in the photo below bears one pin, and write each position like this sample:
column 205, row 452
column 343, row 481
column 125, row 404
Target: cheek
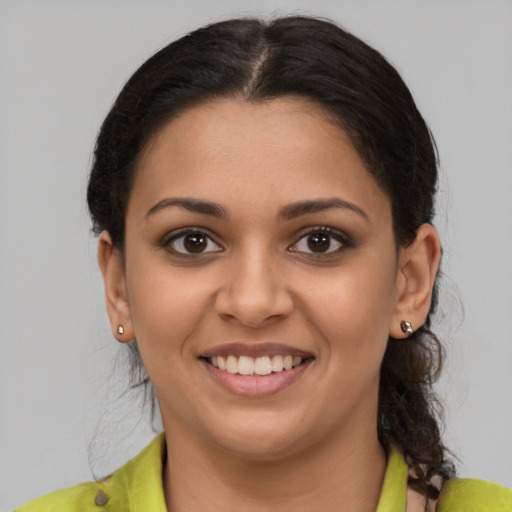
column 166, row 306
column 352, row 310
column 167, row 309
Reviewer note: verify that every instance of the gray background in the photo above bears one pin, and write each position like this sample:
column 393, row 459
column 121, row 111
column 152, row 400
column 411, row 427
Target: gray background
column 62, row 64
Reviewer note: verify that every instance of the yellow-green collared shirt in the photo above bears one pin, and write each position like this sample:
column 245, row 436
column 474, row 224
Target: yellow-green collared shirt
column 137, row 487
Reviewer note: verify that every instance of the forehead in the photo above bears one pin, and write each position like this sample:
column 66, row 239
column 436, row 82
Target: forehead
column 267, row 153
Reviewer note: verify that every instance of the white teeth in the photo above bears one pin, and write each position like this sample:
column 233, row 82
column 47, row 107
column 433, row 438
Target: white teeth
column 265, row 365
column 262, row 366
column 277, row 364
column 232, row 364
column 246, row 365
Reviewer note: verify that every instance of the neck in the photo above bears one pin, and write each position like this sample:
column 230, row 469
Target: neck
column 344, row 472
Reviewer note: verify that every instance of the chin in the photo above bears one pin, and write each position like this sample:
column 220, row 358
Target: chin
column 262, row 437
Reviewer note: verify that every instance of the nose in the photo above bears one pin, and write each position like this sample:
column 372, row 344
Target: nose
column 254, row 292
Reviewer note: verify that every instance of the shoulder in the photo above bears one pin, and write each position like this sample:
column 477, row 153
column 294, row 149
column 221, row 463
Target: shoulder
column 472, row 495
column 80, row 498
column 137, row 485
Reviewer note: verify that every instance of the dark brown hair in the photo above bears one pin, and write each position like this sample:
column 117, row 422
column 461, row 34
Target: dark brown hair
column 315, row 59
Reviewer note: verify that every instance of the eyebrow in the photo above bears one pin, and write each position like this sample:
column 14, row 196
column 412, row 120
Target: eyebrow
column 288, row 212
column 294, row 210
column 192, row 205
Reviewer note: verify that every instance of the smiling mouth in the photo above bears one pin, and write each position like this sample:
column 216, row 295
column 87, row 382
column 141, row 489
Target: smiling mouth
column 256, row 366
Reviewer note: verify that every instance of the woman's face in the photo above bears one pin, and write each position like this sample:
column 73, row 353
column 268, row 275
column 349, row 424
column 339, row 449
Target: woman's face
column 255, row 237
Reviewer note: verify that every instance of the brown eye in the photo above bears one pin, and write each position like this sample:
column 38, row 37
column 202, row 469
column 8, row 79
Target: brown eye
column 193, row 243
column 319, row 242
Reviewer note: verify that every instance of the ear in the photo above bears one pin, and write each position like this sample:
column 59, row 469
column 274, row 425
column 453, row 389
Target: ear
column 112, row 268
column 418, row 267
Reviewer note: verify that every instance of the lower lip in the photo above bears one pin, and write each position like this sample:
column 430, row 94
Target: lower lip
column 257, row 385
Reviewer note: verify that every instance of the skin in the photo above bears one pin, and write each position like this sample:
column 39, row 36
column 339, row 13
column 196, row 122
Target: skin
column 313, row 444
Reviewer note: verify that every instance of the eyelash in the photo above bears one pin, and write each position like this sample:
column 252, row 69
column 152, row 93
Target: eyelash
column 338, row 236
column 175, row 236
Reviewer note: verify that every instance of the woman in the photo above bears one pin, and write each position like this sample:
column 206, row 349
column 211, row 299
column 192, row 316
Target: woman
column 263, row 195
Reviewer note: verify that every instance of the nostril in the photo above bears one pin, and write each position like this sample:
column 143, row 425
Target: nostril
column 254, row 309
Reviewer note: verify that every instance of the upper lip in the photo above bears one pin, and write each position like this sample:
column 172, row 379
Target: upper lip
column 255, row 350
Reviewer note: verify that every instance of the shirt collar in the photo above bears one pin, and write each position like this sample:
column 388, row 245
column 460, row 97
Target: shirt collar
column 394, row 488
column 138, row 484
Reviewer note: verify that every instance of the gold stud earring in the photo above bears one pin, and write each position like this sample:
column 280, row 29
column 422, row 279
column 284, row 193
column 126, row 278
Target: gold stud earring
column 120, row 329
column 406, row 327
